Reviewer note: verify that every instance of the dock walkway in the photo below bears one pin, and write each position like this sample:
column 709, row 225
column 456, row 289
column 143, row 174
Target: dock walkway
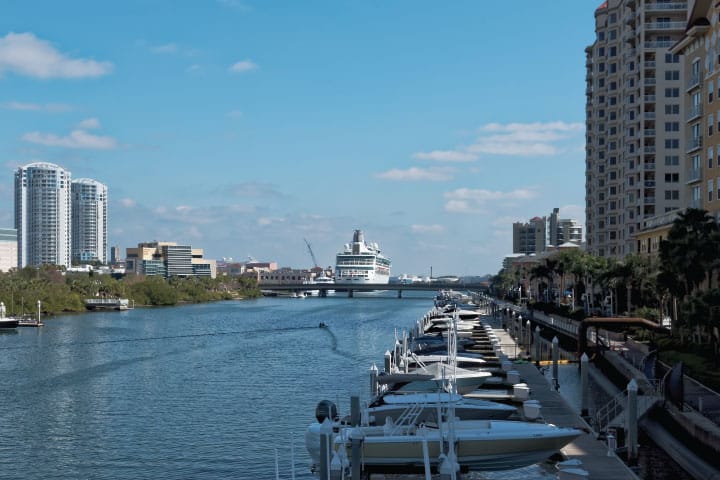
column 592, row 452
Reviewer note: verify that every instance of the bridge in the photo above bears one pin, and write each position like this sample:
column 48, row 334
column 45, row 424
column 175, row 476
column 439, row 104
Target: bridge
column 351, row 288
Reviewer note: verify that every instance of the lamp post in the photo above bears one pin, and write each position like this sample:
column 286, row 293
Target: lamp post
column 38, row 311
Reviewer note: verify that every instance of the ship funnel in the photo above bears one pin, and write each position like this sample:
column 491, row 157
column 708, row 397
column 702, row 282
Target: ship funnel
column 358, row 236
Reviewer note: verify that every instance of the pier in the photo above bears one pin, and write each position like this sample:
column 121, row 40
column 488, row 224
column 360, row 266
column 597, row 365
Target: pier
column 350, row 288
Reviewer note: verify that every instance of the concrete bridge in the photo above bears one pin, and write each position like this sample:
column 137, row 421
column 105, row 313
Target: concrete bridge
column 351, row 288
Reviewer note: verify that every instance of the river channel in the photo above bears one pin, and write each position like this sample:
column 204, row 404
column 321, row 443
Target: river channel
column 211, row 391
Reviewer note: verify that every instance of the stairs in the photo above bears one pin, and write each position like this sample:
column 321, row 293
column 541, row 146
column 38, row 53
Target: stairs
column 613, row 413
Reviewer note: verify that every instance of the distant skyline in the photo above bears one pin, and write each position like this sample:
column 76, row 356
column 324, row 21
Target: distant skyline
column 244, row 127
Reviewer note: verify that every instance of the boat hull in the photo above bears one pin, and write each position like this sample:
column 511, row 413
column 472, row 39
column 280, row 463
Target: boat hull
column 480, row 445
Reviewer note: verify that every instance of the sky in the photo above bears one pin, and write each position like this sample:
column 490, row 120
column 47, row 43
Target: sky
column 245, row 127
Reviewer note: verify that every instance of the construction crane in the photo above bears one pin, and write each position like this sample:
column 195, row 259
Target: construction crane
column 311, row 253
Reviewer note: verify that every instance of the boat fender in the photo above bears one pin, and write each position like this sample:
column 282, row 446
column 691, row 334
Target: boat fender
column 326, row 409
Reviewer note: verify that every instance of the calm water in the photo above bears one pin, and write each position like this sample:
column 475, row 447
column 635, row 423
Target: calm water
column 205, row 391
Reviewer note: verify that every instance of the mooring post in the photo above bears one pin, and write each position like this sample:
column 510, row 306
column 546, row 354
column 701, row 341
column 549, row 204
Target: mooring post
column 631, row 423
column 355, row 440
column 388, row 361
column 325, row 434
column 374, row 380
column 537, row 345
column 555, row 355
column 585, row 394
column 528, row 340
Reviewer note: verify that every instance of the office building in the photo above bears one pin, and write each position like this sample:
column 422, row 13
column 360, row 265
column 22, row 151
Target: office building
column 43, row 214
column 168, row 259
column 634, row 141
column 8, row 249
column 530, row 237
column 89, row 221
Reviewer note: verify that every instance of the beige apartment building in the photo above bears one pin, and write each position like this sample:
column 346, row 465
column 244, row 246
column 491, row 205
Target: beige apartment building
column 700, row 50
column 634, row 127
column 168, row 259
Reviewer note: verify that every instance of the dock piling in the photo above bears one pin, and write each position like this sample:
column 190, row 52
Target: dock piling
column 555, row 355
column 537, row 345
column 584, row 365
column 631, row 423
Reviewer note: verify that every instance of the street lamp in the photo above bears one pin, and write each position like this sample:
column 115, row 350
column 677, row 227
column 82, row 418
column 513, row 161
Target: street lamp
column 38, row 312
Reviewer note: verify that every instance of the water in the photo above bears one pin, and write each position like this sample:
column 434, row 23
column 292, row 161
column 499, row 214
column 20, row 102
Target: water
column 202, row 391
column 208, row 391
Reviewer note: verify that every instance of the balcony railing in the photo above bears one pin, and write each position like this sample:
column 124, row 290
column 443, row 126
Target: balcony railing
column 649, row 149
column 695, row 111
column 649, row 98
column 659, row 44
column 694, row 80
column 665, row 26
column 696, row 203
column 649, row 81
column 649, row 200
column 694, row 144
column 694, row 175
column 649, row 166
column 649, row 115
column 665, row 7
column 651, row 64
column 649, row 132
column 649, row 183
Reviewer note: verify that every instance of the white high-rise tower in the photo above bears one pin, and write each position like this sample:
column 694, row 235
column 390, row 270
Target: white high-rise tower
column 89, row 221
column 42, row 214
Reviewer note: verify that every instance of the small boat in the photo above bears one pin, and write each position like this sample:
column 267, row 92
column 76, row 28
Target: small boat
column 7, row 322
column 394, row 405
column 479, row 445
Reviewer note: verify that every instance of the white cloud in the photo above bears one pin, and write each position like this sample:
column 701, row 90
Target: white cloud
column 25, row 54
column 89, row 124
column 435, row 228
column 417, row 174
column 167, row 48
column 446, row 156
column 243, row 66
column 525, row 139
column 193, row 68
column 467, row 200
column 48, row 107
column 127, row 202
column 267, row 221
column 76, row 139
column 234, row 114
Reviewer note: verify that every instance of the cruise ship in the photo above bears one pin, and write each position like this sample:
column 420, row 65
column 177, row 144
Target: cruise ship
column 361, row 262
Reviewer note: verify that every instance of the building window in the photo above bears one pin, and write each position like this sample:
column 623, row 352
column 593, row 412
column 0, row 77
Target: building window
column 672, row 109
column 672, row 126
column 672, row 75
column 710, row 190
column 672, row 160
column 672, row 177
column 672, row 92
column 672, row 143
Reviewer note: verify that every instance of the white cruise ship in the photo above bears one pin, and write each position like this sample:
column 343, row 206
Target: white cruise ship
column 361, row 262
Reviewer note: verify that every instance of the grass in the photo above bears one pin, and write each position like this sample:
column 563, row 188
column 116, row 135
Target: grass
column 699, row 361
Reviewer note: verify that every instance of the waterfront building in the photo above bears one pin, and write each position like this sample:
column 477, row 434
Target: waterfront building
column 8, row 249
column 530, row 237
column 634, row 140
column 283, row 276
column 168, row 259
column 562, row 230
column 89, row 221
column 43, row 214
column 699, row 49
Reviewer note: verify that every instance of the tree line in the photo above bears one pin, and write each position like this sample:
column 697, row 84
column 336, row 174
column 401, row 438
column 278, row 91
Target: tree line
column 681, row 282
column 60, row 291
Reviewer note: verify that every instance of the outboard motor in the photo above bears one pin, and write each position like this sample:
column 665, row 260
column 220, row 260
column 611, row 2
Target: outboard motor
column 326, row 409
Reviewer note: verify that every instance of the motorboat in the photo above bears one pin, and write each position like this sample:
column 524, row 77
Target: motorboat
column 7, row 322
column 394, row 405
column 435, row 377
column 478, row 445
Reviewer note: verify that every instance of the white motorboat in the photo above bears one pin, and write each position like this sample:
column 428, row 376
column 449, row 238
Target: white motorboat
column 435, row 377
column 394, row 405
column 480, row 445
column 465, row 361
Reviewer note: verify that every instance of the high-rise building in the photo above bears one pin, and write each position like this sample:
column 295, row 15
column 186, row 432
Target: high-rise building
column 89, row 221
column 8, row 249
column 168, row 259
column 562, row 230
column 700, row 52
column 529, row 237
column 634, row 138
column 115, row 255
column 42, row 214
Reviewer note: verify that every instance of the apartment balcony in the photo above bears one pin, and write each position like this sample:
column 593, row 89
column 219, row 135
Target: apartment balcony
column 650, row 64
column 695, row 111
column 649, row 115
column 659, row 44
column 629, row 36
column 694, row 80
column 648, row 200
column 649, row 132
column 694, row 143
column 629, row 18
column 649, row 166
column 649, row 183
column 629, row 53
column 650, row 26
column 649, row 98
column 694, row 175
column 696, row 203
column 666, row 7
column 649, row 81
column 649, row 149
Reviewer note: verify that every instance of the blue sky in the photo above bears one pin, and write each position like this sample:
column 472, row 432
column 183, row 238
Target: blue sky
column 243, row 127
